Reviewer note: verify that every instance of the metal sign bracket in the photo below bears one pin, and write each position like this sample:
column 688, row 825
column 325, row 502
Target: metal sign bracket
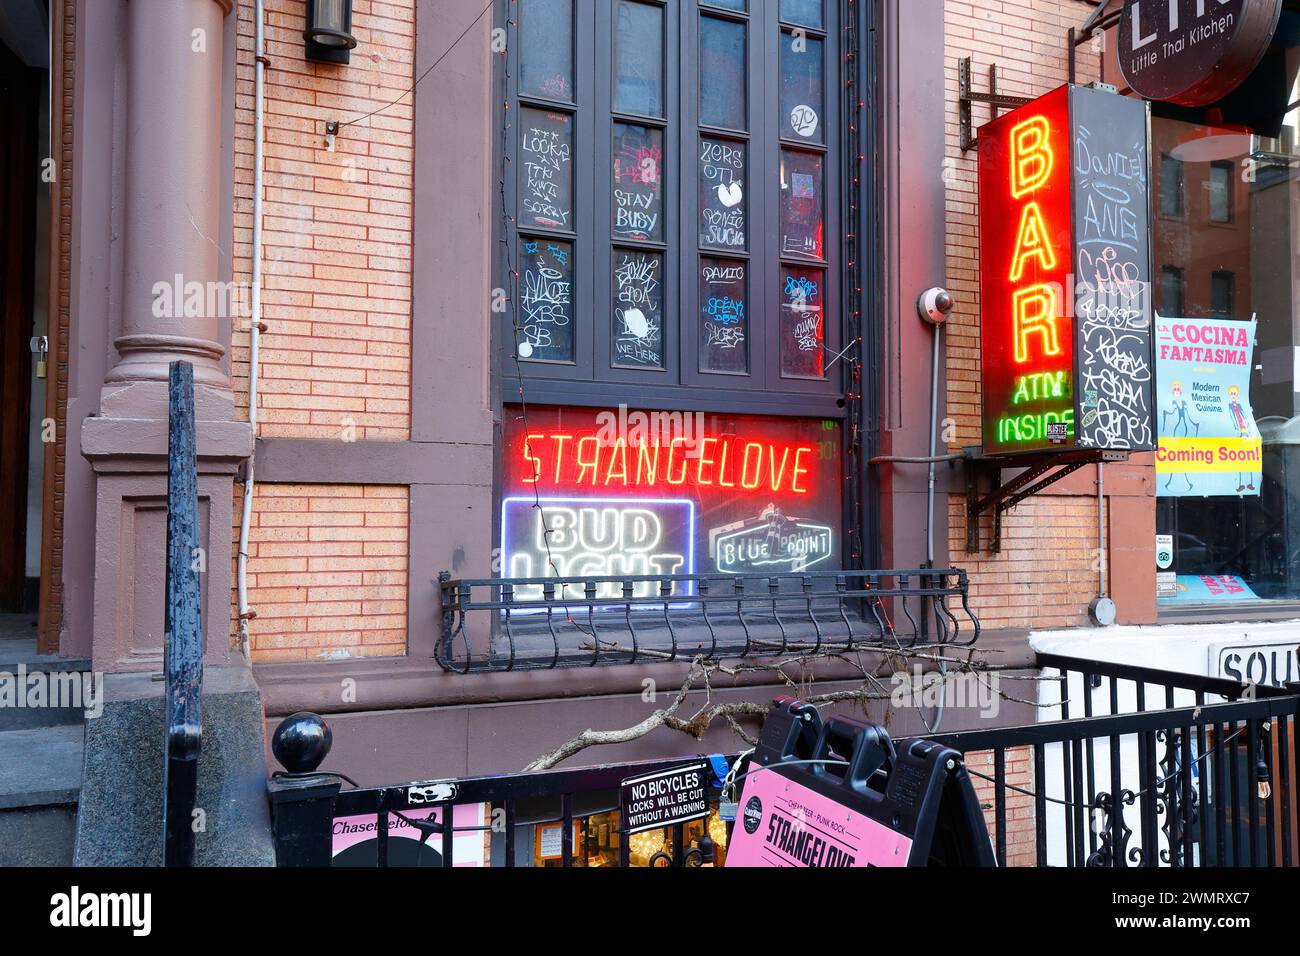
column 967, row 97
column 1033, row 472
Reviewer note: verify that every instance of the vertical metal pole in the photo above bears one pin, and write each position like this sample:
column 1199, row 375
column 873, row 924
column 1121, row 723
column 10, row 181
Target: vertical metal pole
column 1000, row 802
column 566, row 834
column 1040, row 806
column 183, row 636
column 510, row 832
column 1282, row 778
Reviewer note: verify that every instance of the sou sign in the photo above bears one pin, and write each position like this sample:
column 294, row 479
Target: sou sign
column 1065, row 268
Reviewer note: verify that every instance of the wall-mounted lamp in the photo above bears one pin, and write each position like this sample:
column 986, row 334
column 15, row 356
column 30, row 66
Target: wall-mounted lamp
column 329, row 31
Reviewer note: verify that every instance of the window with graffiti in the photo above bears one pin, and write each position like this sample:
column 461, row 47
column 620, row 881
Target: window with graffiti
column 695, row 198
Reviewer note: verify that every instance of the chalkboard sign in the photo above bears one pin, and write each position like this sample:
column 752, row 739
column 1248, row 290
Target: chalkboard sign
column 545, row 301
column 1112, row 268
column 722, row 194
column 803, row 223
column 545, row 169
column 638, row 182
column 803, row 324
column 638, row 309
column 724, row 316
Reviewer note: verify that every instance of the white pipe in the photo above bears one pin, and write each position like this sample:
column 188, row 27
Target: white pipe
column 1101, row 529
column 255, row 330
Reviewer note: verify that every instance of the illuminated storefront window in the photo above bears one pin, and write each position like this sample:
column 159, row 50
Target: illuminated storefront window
column 596, row 842
column 1228, row 332
column 636, row 493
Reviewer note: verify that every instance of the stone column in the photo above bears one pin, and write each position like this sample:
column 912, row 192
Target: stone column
column 174, row 304
column 173, row 190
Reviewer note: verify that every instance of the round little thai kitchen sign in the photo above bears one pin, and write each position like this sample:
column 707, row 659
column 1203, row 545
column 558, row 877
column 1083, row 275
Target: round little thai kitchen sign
column 1193, row 52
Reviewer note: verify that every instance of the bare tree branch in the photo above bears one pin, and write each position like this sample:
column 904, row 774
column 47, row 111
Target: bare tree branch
column 795, row 672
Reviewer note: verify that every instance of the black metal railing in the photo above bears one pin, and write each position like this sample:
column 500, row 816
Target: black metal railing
column 183, row 626
column 503, row 624
column 1145, row 767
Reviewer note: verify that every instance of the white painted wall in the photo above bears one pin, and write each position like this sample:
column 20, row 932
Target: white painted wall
column 1185, row 648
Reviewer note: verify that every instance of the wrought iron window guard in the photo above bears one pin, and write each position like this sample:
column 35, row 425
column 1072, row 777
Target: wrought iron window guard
column 507, row 624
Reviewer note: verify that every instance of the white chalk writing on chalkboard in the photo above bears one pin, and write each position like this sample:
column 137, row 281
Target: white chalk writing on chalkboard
column 546, row 165
column 1112, row 295
column 722, row 194
column 638, row 310
column 546, row 301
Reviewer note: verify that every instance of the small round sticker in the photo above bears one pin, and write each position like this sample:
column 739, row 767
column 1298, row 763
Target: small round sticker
column 753, row 814
column 525, row 349
column 804, row 120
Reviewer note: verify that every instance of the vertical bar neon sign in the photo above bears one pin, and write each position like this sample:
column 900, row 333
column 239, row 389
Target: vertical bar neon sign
column 1025, row 241
column 1065, row 275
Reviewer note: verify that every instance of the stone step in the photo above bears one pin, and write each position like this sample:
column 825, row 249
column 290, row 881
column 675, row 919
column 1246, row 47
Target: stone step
column 40, row 784
column 21, row 666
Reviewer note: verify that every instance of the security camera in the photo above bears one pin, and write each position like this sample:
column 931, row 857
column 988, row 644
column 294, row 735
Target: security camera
column 935, row 305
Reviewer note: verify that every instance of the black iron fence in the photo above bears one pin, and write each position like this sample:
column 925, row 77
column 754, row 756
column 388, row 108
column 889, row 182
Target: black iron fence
column 502, row 624
column 1143, row 768
column 183, row 625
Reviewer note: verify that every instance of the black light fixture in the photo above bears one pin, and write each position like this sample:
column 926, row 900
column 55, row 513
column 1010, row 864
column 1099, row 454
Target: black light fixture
column 329, row 31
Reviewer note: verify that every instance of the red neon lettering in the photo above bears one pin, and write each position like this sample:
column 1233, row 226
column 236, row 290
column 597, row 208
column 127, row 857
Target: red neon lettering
column 1033, row 312
column 1031, row 156
column 706, row 459
column 711, row 462
column 1031, row 242
column 647, row 467
column 745, row 482
column 799, row 469
column 583, row 464
column 532, row 459
column 619, row 457
column 723, row 473
column 776, row 476
column 672, row 452
column 559, row 453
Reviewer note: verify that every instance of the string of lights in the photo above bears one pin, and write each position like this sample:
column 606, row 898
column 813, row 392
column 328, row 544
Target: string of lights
column 509, row 241
column 854, row 459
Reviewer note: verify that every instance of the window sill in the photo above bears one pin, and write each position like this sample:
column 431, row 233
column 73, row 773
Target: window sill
column 403, row 683
column 729, row 400
column 1221, row 614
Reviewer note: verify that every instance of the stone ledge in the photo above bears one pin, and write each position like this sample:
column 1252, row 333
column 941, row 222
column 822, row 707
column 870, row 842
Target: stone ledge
column 119, row 820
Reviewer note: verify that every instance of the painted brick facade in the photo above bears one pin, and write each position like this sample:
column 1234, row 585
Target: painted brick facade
column 328, row 572
column 335, row 359
column 337, row 227
column 1046, row 574
column 1019, row 806
column 327, row 564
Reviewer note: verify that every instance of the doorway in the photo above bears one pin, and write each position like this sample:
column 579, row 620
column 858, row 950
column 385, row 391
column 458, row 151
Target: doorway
column 24, row 264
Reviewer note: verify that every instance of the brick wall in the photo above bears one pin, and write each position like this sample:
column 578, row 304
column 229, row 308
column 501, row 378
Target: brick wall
column 328, row 564
column 328, row 572
column 1045, row 575
column 337, row 226
column 1021, row 850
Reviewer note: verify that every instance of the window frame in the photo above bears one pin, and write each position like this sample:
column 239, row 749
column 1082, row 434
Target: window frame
column 1177, row 274
column 1229, row 192
column 680, row 383
column 1229, row 280
column 1179, row 192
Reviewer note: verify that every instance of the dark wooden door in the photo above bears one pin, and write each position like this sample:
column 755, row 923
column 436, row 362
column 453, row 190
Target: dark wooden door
column 20, row 86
